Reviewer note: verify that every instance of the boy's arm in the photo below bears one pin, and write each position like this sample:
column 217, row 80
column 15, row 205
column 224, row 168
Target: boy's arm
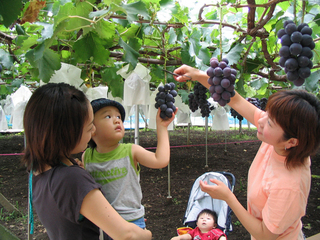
column 186, row 236
column 161, row 157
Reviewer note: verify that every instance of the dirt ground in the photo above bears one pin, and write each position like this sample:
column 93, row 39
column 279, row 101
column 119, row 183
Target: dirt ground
column 165, row 191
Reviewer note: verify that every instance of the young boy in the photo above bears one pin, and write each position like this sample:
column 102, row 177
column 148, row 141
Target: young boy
column 206, row 228
column 116, row 166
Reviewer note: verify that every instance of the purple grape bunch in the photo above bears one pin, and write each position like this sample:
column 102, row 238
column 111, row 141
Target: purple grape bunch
column 235, row 114
column 165, row 100
column 198, row 99
column 263, row 103
column 296, row 51
column 254, row 101
column 222, row 78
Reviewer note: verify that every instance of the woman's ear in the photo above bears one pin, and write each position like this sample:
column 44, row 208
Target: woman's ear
column 292, row 142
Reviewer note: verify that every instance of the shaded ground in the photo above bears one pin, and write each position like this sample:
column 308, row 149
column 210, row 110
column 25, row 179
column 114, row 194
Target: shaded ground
column 165, row 199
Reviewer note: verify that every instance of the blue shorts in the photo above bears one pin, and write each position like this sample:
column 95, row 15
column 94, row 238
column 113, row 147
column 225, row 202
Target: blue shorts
column 139, row 222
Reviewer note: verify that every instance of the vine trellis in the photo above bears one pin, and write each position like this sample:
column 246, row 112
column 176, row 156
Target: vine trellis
column 161, row 55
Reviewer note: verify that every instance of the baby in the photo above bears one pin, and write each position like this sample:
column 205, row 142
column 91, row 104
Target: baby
column 206, row 228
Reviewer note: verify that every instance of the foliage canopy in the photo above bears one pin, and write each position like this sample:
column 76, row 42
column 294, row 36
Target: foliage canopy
column 101, row 36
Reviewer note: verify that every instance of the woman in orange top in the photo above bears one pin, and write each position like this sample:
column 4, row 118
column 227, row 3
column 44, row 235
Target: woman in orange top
column 279, row 177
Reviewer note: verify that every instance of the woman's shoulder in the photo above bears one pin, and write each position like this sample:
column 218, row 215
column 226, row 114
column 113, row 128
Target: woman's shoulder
column 70, row 174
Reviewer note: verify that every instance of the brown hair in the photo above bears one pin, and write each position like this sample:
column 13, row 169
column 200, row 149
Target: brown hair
column 53, row 122
column 297, row 112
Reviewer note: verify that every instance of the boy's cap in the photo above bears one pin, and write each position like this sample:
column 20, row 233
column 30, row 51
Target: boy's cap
column 99, row 103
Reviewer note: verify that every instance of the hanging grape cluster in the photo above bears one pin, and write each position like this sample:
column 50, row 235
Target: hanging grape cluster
column 221, row 79
column 254, row 101
column 259, row 103
column 296, row 51
column 198, row 99
column 263, row 103
column 235, row 114
column 165, row 100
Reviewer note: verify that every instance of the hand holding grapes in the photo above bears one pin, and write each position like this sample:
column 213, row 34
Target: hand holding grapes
column 164, row 122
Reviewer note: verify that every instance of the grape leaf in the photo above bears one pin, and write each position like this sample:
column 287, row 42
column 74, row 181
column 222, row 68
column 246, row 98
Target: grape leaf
column 109, row 2
column 172, row 36
column 105, row 29
column 91, row 45
column 185, row 55
column 311, row 83
column 130, row 55
column 46, row 60
column 113, row 81
column 135, row 9
column 195, row 44
column 317, row 19
column 10, row 10
column 47, row 31
column 257, row 84
column 235, row 53
column 71, row 14
column 6, row 59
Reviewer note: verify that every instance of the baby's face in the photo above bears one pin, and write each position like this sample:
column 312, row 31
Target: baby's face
column 205, row 222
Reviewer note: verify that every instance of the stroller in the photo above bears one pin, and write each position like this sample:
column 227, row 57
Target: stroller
column 199, row 200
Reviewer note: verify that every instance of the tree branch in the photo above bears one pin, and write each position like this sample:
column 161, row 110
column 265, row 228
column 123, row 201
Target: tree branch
column 272, row 76
column 251, row 15
column 267, row 55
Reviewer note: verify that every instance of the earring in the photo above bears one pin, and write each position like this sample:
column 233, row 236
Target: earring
column 285, row 148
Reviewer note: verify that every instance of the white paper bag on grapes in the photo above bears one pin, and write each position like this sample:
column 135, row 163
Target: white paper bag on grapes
column 97, row 92
column 70, row 74
column 21, row 95
column 141, row 70
column 17, row 115
column 220, row 119
column 3, row 120
column 196, row 113
column 153, row 112
column 183, row 114
column 136, row 89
